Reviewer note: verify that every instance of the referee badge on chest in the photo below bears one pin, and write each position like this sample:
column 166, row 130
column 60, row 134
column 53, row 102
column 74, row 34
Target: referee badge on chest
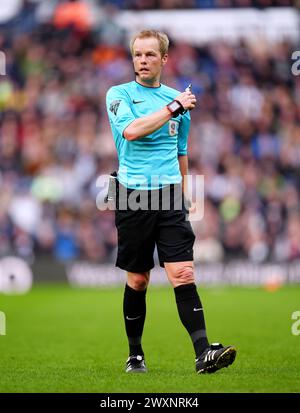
column 173, row 127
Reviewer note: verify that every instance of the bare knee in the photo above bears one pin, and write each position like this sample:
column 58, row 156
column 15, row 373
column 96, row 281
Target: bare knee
column 138, row 281
column 182, row 274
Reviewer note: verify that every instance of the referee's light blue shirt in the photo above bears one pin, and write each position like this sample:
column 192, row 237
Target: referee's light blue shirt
column 150, row 162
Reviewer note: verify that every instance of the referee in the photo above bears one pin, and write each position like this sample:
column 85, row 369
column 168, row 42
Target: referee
column 150, row 125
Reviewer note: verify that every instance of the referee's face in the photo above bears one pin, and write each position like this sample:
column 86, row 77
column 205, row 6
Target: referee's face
column 148, row 61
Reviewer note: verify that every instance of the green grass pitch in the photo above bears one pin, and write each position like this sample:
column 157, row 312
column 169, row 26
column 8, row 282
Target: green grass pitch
column 60, row 339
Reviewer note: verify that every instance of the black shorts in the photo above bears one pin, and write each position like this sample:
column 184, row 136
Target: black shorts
column 140, row 230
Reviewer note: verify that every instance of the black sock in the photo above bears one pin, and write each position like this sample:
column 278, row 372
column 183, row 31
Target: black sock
column 191, row 315
column 134, row 310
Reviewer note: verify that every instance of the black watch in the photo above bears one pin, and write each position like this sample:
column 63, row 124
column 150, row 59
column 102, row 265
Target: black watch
column 176, row 108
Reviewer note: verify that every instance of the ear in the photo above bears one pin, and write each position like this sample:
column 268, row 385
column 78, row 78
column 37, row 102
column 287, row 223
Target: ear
column 164, row 59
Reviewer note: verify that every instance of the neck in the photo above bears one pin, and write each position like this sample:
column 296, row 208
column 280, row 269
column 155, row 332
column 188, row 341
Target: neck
column 148, row 83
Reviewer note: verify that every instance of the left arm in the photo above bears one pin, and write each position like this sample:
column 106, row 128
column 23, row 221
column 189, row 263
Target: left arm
column 183, row 166
column 182, row 144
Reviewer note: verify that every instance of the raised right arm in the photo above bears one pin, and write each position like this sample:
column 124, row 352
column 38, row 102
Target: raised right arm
column 120, row 113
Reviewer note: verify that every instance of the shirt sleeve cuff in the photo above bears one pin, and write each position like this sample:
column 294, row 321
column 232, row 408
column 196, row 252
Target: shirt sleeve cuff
column 126, row 126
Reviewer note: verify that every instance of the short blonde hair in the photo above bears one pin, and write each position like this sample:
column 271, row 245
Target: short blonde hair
column 162, row 38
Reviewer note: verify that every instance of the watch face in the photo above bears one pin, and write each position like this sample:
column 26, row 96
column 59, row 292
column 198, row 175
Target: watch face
column 174, row 106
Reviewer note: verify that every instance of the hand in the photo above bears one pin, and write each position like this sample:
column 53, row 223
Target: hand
column 187, row 99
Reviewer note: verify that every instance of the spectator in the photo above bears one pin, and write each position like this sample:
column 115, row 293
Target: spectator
column 55, row 141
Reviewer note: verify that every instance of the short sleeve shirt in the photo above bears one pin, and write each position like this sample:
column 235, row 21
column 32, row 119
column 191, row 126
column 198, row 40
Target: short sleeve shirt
column 150, row 162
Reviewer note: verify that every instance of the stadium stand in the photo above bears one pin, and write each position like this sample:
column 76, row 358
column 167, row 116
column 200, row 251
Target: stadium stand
column 55, row 139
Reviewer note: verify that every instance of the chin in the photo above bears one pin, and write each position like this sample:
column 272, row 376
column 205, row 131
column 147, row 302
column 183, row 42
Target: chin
column 147, row 78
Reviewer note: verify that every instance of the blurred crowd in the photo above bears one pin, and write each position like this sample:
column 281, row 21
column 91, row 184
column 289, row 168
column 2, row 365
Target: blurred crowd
column 55, row 141
column 205, row 4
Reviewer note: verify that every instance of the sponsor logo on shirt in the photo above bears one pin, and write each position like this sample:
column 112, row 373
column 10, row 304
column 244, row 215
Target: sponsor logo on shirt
column 137, row 101
column 173, row 127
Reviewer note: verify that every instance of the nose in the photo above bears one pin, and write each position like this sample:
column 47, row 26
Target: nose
column 143, row 59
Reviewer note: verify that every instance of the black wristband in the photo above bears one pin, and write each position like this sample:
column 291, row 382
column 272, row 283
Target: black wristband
column 176, row 108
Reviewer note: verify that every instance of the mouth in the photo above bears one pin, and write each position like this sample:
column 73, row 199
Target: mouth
column 144, row 71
